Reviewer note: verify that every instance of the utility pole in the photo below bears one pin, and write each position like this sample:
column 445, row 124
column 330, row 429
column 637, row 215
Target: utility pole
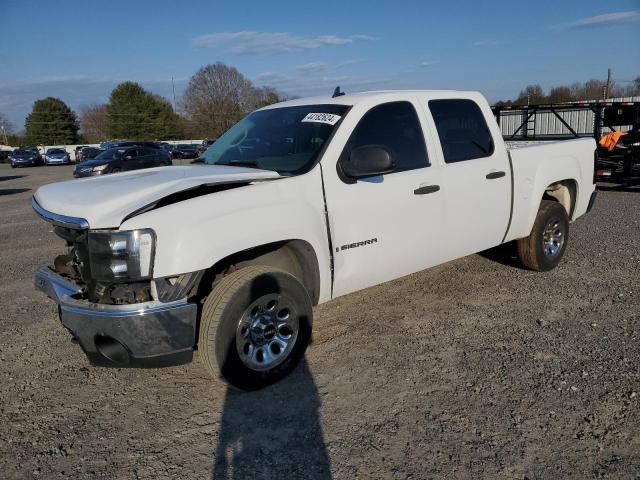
column 173, row 85
column 4, row 133
column 608, row 87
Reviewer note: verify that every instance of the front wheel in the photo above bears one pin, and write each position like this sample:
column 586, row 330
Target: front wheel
column 543, row 249
column 255, row 327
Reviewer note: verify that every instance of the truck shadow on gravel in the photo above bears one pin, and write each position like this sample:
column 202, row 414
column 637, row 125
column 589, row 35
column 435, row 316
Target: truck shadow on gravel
column 273, row 433
column 505, row 254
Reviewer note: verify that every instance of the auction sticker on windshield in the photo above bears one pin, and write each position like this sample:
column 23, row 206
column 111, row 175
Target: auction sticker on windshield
column 328, row 118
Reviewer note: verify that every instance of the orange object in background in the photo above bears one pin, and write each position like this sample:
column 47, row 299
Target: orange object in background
column 610, row 140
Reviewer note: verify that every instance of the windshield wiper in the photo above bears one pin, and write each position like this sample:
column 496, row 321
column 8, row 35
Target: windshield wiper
column 240, row 163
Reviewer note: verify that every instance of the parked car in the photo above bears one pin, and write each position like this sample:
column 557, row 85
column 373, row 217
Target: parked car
column 185, row 150
column 299, row 203
column 206, row 143
column 128, row 143
column 57, row 156
column 4, row 156
column 118, row 159
column 88, row 153
column 21, row 157
column 36, row 151
column 77, row 153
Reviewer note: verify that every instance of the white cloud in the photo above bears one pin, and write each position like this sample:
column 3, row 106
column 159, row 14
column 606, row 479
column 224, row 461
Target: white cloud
column 348, row 63
column 485, row 43
column 429, row 63
column 312, row 67
column 603, row 20
column 256, row 43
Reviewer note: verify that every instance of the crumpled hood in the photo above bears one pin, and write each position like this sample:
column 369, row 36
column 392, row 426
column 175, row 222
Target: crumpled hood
column 105, row 201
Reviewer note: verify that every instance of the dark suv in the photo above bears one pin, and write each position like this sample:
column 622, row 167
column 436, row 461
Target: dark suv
column 121, row 159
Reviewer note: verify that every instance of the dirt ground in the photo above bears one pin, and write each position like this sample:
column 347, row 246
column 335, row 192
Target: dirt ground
column 475, row 369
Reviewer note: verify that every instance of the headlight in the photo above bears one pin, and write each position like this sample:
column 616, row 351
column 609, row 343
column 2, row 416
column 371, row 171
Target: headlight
column 99, row 168
column 121, row 255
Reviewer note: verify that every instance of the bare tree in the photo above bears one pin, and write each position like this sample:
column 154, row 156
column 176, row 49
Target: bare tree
column 6, row 129
column 532, row 94
column 94, row 123
column 218, row 96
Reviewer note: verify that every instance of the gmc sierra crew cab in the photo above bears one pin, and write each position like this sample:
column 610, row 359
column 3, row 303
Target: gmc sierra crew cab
column 297, row 204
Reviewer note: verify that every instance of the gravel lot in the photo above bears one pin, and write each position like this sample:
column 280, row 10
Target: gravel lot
column 474, row 369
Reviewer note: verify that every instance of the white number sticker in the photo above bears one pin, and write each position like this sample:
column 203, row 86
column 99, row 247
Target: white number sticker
column 328, row 118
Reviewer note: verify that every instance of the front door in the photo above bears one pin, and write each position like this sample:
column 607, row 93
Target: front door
column 386, row 226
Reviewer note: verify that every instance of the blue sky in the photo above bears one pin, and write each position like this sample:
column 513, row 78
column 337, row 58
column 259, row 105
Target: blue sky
column 79, row 50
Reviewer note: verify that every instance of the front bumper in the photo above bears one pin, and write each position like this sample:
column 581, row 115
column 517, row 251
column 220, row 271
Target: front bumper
column 151, row 334
column 24, row 163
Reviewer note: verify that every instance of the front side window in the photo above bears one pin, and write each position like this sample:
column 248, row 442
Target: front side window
column 111, row 154
column 286, row 139
column 394, row 126
column 462, row 129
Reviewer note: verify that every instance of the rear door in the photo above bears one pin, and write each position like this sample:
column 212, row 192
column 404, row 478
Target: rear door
column 476, row 177
column 386, row 226
column 149, row 157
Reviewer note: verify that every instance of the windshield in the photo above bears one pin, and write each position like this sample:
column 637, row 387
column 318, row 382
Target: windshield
column 111, row 154
column 22, row 152
column 286, row 139
column 56, row 150
column 187, row 147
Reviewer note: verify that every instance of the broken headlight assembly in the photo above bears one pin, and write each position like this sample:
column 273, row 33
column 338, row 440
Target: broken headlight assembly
column 121, row 256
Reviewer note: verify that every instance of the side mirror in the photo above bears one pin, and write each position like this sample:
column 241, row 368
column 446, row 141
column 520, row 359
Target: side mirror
column 368, row 161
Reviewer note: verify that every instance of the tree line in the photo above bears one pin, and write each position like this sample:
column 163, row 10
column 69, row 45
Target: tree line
column 590, row 90
column 217, row 96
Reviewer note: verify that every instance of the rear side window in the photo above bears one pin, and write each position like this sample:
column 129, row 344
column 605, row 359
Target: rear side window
column 394, row 126
column 463, row 131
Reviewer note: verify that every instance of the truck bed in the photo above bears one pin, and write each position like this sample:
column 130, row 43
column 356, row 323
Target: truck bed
column 535, row 165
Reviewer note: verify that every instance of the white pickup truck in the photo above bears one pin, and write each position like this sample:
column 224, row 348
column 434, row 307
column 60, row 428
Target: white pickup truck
column 299, row 203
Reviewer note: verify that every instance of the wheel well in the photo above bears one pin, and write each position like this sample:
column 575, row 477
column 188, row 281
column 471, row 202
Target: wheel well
column 296, row 257
column 563, row 192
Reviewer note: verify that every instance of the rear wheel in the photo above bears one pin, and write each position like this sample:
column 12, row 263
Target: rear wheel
column 543, row 249
column 255, row 327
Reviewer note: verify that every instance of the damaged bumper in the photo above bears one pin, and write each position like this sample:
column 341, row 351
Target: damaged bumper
column 151, row 334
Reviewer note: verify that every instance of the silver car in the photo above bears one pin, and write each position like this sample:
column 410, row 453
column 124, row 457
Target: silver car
column 57, row 156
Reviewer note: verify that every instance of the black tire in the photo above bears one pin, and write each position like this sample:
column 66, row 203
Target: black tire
column 542, row 250
column 224, row 312
column 115, row 170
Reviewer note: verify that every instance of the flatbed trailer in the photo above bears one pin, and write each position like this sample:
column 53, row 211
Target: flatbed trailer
column 550, row 122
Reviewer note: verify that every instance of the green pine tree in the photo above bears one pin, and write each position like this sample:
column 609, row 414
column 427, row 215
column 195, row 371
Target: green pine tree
column 137, row 114
column 51, row 122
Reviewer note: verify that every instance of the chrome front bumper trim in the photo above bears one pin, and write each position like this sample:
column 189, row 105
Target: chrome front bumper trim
column 60, row 220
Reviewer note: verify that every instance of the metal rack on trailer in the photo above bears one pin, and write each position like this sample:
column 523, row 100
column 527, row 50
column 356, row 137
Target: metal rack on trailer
column 545, row 122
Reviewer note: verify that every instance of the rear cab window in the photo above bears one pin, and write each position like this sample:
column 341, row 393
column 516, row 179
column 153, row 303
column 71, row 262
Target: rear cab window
column 462, row 130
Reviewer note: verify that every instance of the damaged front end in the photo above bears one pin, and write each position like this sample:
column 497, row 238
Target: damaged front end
column 110, row 303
